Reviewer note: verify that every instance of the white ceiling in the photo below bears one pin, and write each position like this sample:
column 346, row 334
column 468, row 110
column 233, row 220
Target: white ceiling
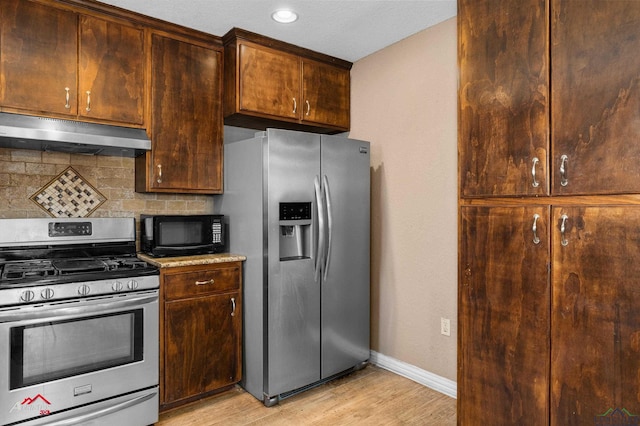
column 347, row 29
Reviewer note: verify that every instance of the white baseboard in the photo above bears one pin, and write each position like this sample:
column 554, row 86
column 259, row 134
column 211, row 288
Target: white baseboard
column 430, row 380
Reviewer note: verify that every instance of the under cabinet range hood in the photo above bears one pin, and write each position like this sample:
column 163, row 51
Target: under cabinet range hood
column 52, row 134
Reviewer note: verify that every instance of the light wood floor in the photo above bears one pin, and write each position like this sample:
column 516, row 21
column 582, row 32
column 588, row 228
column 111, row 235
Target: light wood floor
column 372, row 396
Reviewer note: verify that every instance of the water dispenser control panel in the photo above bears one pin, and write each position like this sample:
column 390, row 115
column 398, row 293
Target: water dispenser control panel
column 295, row 211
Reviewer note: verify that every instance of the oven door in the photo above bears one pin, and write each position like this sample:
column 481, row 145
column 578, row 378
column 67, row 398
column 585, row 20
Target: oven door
column 63, row 355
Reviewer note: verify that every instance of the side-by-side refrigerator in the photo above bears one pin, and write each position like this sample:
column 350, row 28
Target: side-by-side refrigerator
column 297, row 206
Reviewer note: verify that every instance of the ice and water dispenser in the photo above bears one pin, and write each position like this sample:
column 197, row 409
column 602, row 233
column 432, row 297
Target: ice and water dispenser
column 295, row 231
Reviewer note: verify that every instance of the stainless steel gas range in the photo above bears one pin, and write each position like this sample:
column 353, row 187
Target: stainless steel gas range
column 78, row 324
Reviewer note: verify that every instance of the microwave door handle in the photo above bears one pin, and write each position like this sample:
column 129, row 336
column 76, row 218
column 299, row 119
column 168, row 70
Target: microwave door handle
column 82, row 307
column 84, row 418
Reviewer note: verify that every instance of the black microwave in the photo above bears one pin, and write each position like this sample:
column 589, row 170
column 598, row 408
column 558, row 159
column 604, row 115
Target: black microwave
column 181, row 235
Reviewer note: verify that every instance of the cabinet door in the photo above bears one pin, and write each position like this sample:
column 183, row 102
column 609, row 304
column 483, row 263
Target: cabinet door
column 269, row 82
column 38, row 57
column 326, row 94
column 202, row 340
column 503, row 318
column 111, row 70
column 503, row 97
column 186, row 107
column 596, row 96
column 595, row 340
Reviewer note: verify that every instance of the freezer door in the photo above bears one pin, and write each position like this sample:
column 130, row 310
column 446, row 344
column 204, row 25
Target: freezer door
column 345, row 288
column 292, row 296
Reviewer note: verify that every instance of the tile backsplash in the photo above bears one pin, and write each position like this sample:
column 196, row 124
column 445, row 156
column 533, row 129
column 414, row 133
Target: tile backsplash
column 24, row 172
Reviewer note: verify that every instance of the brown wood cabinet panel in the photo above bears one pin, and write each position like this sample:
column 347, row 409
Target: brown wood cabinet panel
column 200, row 331
column 596, row 96
column 201, row 282
column 111, row 68
column 503, row 97
column 201, row 345
column 38, row 57
column 595, row 349
column 186, row 106
column 326, row 93
column 503, row 316
column 269, row 81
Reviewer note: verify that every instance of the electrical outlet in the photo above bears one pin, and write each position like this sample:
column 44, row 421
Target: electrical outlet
column 445, row 326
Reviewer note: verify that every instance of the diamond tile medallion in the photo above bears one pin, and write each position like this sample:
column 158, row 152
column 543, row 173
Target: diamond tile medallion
column 68, row 195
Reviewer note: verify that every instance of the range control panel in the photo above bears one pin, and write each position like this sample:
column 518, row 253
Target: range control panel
column 69, row 229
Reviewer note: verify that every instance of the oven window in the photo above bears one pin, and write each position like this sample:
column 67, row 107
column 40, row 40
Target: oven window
column 54, row 350
column 180, row 233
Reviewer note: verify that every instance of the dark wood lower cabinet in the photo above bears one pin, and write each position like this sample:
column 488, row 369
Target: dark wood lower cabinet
column 503, row 317
column 201, row 331
column 595, row 315
column 549, row 318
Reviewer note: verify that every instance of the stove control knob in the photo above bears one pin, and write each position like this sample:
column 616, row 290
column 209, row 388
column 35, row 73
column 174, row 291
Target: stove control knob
column 84, row 290
column 47, row 293
column 27, row 296
column 132, row 284
column 117, row 286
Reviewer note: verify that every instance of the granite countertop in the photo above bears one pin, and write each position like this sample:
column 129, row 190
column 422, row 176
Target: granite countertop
column 204, row 259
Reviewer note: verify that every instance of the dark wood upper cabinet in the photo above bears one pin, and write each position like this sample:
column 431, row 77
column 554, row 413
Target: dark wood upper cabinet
column 57, row 62
column 509, row 112
column 186, row 119
column 503, row 97
column 595, row 98
column 503, row 319
column 111, row 71
column 38, row 58
column 269, row 83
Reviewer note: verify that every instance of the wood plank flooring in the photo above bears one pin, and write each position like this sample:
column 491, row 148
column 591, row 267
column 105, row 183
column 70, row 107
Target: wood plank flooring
column 371, row 396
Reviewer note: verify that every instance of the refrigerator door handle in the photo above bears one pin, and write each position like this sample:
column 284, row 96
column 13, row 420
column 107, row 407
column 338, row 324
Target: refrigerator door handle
column 327, row 194
column 320, row 242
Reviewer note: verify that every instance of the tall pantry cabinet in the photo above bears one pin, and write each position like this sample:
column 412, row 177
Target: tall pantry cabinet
column 549, row 184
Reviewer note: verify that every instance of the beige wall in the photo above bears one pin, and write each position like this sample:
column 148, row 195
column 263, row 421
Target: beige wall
column 404, row 102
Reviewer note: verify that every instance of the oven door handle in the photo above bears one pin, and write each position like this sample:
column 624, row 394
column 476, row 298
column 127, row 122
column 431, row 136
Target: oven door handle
column 82, row 307
column 82, row 419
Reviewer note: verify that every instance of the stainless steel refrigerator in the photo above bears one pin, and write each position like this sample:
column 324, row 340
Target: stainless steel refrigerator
column 297, row 205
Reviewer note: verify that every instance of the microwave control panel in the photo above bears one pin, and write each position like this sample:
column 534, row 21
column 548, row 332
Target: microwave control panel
column 216, row 229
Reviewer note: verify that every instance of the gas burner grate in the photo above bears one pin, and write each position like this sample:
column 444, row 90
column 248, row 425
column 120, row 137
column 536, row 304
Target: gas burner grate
column 27, row 269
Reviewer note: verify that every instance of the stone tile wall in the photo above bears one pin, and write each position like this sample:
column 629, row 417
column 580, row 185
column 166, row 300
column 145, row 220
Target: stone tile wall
column 24, row 172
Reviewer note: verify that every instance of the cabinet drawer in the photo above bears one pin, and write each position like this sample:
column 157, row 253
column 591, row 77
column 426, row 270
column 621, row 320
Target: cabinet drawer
column 200, row 282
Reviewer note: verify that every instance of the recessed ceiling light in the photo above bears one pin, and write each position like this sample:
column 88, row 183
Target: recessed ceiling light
column 284, row 16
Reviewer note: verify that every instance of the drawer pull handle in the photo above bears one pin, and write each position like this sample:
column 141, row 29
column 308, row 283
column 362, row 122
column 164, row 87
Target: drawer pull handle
column 67, row 105
column 211, row 281
column 233, row 306
column 563, row 170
